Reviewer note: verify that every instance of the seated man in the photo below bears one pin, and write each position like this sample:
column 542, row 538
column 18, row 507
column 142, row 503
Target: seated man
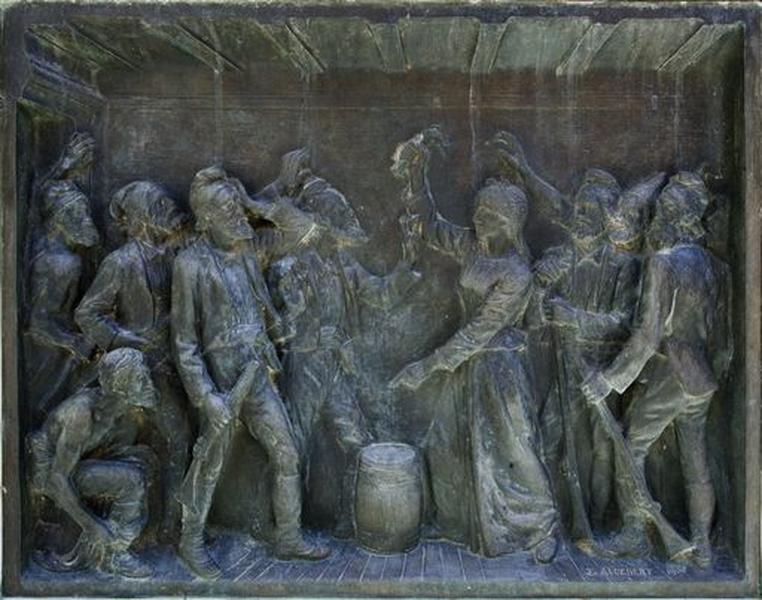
column 76, row 459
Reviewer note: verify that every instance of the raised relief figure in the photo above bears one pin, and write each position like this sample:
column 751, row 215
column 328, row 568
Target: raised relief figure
column 79, row 461
column 223, row 323
column 681, row 349
column 318, row 289
column 128, row 305
column 56, row 353
column 490, row 488
column 590, row 288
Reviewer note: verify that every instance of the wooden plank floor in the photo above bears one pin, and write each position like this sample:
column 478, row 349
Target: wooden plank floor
column 444, row 561
column 246, row 561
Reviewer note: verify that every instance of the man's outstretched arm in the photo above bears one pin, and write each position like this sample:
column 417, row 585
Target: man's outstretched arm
column 61, row 490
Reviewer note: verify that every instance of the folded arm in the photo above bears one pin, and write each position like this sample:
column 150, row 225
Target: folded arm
column 95, row 313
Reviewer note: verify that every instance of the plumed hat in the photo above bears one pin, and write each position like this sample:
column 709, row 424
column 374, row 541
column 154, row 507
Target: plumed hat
column 322, row 199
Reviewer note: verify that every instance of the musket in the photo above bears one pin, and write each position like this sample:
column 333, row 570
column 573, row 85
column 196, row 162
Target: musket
column 580, row 525
column 677, row 547
column 235, row 398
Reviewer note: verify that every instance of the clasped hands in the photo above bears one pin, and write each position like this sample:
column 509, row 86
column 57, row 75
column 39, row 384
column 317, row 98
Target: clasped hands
column 217, row 410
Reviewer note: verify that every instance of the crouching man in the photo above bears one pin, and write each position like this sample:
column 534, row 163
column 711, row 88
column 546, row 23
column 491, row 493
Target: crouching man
column 77, row 461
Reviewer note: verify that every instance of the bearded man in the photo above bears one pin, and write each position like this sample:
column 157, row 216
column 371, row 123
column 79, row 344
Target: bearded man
column 224, row 321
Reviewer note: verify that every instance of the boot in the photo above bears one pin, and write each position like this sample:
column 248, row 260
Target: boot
column 631, row 541
column 345, row 528
column 287, row 506
column 126, row 564
column 701, row 510
column 292, row 546
column 192, row 549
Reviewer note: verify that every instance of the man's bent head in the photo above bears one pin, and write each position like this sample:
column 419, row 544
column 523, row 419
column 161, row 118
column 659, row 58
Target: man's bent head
column 124, row 375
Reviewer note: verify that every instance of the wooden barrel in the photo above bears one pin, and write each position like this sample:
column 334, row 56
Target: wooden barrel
column 389, row 498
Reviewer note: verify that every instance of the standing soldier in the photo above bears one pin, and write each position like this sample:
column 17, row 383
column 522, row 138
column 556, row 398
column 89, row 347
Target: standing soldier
column 591, row 289
column 683, row 343
column 591, row 301
column 128, row 305
column 223, row 320
column 319, row 289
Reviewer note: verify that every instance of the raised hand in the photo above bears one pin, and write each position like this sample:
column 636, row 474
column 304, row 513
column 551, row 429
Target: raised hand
column 435, row 139
column 295, row 169
column 510, row 154
column 79, row 152
column 411, row 157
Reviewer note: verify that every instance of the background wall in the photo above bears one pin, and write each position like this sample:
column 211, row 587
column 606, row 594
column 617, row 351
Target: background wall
column 230, row 96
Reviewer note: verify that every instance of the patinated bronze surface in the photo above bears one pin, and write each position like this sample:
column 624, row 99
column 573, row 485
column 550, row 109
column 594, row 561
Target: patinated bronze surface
column 358, row 299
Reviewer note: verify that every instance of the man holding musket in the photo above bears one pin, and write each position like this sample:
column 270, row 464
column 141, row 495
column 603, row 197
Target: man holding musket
column 680, row 349
column 223, row 322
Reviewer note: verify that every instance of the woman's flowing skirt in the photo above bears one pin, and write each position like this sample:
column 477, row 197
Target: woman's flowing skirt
column 490, row 489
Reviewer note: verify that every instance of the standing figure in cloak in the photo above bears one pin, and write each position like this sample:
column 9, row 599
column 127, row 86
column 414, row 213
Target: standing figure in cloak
column 128, row 306
column 490, row 487
column 223, row 324
column 80, row 460
column 56, row 353
column 680, row 349
column 318, row 290
column 590, row 288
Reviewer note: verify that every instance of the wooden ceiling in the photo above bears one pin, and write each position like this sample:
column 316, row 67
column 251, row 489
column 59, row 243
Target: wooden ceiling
column 564, row 46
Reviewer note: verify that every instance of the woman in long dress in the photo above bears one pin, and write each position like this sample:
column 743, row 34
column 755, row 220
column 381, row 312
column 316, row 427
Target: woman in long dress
column 490, row 488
